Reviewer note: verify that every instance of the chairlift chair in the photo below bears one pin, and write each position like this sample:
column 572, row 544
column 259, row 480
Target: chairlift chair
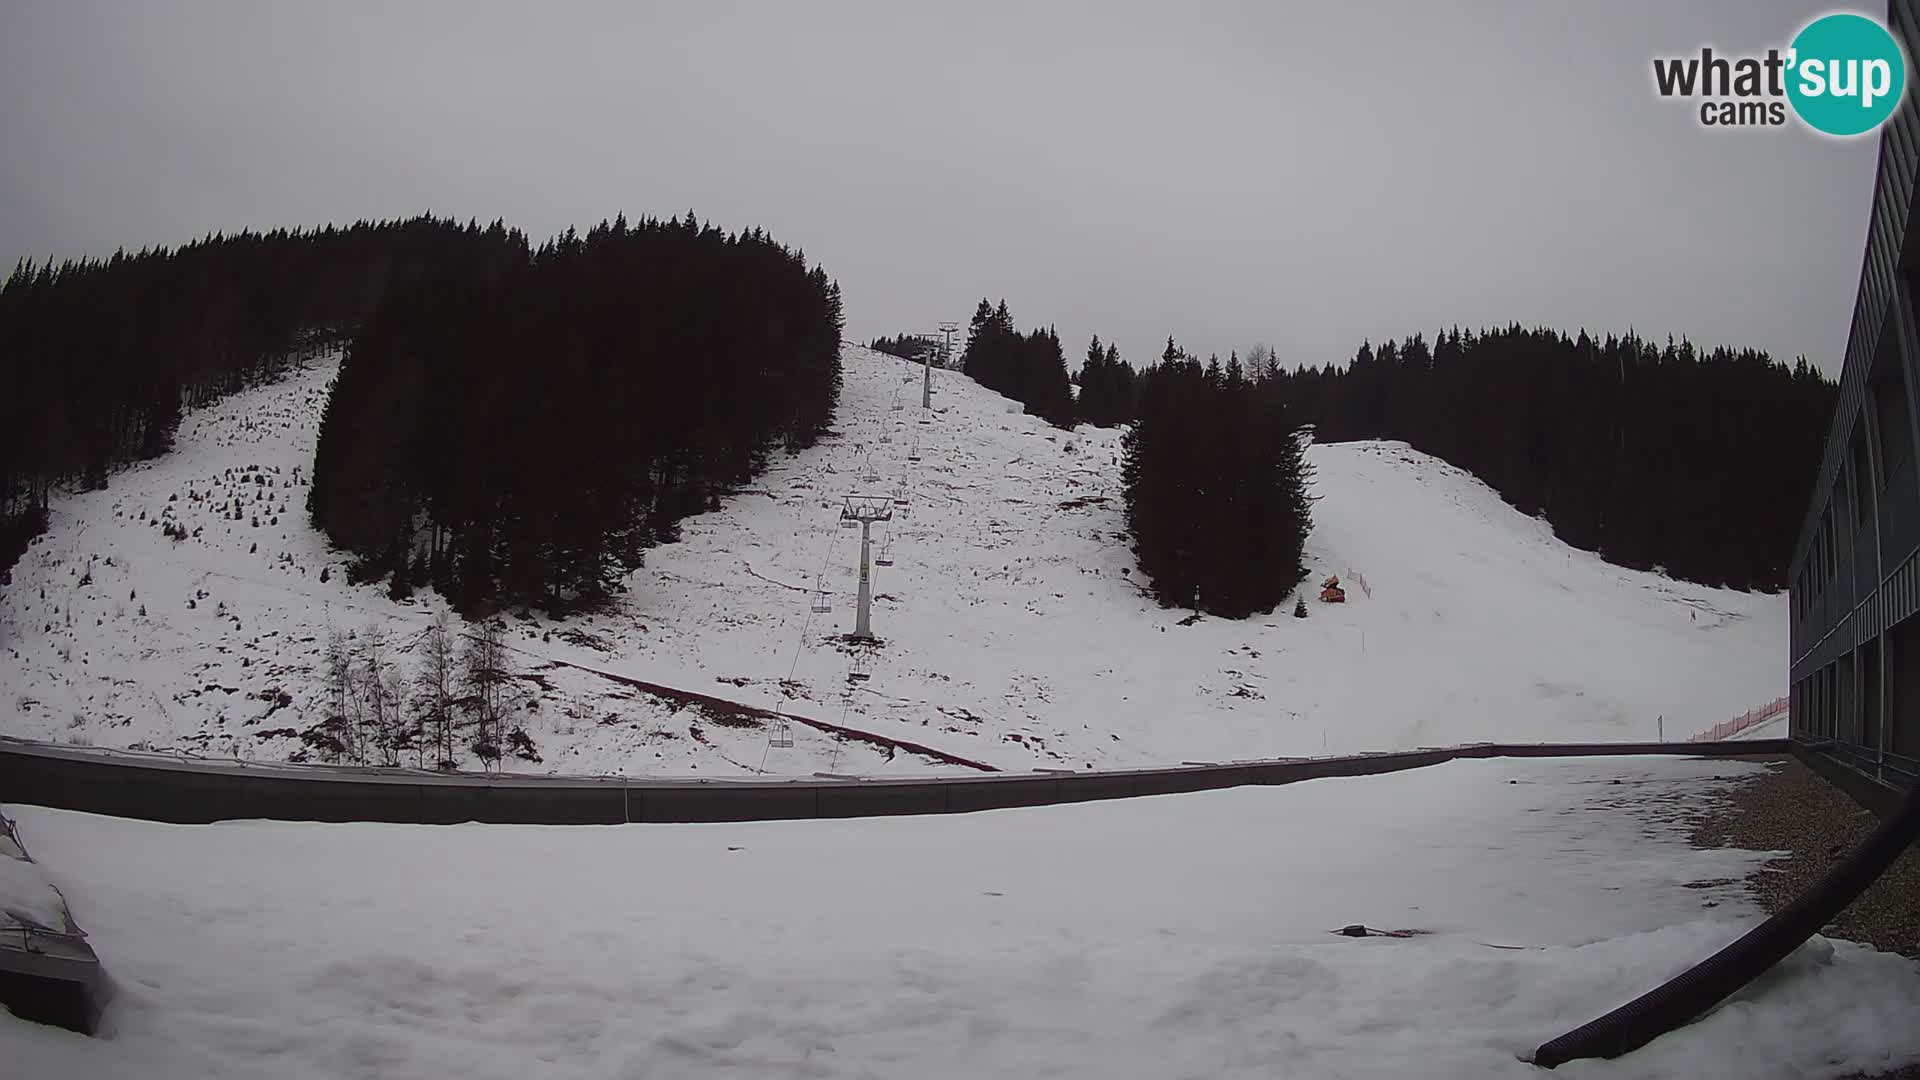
column 782, row 735
column 821, row 605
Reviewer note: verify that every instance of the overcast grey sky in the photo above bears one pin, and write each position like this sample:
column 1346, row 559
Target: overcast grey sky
column 1303, row 174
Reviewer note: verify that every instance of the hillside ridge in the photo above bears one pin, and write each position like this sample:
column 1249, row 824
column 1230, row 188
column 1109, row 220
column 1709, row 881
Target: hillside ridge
column 1014, row 632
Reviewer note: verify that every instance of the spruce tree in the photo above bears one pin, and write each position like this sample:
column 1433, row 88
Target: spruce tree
column 1216, row 489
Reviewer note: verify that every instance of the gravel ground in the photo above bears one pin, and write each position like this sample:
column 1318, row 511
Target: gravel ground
column 1793, row 810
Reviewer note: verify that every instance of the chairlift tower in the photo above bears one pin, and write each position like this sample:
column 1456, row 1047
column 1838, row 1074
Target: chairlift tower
column 865, row 509
column 926, row 378
column 947, row 330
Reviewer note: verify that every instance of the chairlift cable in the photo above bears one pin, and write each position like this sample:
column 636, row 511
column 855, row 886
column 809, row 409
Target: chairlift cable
column 799, row 645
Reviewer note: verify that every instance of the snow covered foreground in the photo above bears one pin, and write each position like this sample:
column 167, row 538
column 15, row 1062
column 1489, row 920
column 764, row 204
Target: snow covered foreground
column 1177, row 936
column 1015, row 633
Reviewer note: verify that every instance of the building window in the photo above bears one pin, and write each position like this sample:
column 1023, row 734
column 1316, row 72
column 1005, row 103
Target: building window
column 1842, row 719
column 1863, row 506
column 1830, row 692
column 1868, row 663
column 1889, row 390
column 1903, row 688
column 1832, row 704
column 1820, row 703
column 1819, row 558
column 1827, row 545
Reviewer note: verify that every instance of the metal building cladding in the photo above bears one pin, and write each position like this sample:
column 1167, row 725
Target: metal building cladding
column 1856, row 568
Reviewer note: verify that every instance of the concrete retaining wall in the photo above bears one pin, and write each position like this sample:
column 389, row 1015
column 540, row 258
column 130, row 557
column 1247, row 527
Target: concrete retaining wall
column 192, row 791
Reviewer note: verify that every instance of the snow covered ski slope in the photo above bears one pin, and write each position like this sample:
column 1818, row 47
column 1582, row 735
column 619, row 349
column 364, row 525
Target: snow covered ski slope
column 1014, row 631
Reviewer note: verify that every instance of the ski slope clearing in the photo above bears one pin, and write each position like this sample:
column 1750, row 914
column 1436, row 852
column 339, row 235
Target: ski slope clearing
column 1173, row 936
column 1014, row 633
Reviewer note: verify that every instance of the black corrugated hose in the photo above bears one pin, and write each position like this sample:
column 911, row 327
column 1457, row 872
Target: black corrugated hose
column 1698, row 989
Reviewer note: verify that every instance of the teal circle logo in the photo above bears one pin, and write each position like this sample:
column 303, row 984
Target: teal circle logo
column 1846, row 74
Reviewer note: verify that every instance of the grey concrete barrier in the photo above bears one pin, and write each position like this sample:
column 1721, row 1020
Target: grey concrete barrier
column 966, row 796
column 526, row 803
column 1099, row 786
column 669, row 803
column 866, row 798
column 187, row 790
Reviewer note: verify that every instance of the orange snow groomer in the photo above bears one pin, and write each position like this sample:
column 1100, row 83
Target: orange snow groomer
column 1331, row 592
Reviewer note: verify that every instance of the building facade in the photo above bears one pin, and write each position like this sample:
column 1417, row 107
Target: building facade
column 1856, row 568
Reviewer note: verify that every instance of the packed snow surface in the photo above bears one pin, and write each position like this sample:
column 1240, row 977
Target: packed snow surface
column 1015, row 628
column 1176, row 936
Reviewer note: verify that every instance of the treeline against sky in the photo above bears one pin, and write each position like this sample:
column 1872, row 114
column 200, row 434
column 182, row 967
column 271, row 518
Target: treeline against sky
column 1029, row 367
column 100, row 356
column 919, row 348
column 1699, row 462
column 524, row 438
